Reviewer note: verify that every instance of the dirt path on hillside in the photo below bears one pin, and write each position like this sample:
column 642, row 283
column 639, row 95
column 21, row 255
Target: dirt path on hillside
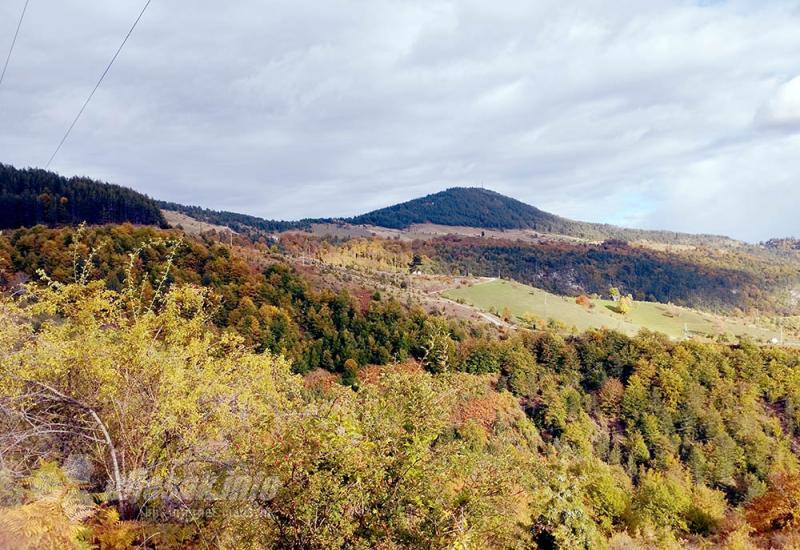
column 496, row 321
column 482, row 314
column 430, row 298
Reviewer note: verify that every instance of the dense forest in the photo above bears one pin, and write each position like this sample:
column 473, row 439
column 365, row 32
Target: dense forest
column 473, row 207
column 150, row 397
column 274, row 309
column 29, row 197
column 702, row 278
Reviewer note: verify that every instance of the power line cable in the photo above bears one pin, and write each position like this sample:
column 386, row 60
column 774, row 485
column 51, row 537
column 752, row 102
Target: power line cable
column 14, row 41
column 96, row 86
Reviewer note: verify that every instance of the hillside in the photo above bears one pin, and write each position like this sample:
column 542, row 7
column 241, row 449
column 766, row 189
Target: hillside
column 734, row 280
column 475, row 207
column 524, row 301
column 447, row 434
column 702, row 279
column 30, row 196
column 241, row 223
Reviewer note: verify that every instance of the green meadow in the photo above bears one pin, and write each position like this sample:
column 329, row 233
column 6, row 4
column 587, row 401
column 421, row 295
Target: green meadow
column 676, row 322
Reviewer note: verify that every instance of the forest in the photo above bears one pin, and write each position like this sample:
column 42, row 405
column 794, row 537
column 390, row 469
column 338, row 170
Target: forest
column 704, row 278
column 158, row 390
column 273, row 309
column 31, row 196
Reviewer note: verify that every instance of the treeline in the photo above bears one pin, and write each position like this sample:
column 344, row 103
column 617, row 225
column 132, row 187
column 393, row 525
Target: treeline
column 529, row 440
column 699, row 279
column 241, row 223
column 31, row 196
column 783, row 244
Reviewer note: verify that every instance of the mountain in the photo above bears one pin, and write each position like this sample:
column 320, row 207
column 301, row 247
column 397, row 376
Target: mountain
column 465, row 206
column 458, row 206
column 476, row 207
column 31, row 196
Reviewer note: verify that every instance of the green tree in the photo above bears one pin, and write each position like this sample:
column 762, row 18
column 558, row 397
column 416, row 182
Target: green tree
column 437, row 346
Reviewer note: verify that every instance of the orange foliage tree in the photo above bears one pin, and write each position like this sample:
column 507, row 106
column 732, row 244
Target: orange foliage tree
column 779, row 508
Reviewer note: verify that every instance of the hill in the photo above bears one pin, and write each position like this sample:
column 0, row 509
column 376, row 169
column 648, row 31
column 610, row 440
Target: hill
column 475, row 207
column 471, row 207
column 31, row 196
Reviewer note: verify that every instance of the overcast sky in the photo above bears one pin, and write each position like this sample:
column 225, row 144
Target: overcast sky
column 659, row 114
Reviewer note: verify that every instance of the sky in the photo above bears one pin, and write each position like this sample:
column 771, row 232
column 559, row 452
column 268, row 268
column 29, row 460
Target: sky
column 681, row 115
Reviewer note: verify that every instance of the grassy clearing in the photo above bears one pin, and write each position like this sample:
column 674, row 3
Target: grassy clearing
column 671, row 320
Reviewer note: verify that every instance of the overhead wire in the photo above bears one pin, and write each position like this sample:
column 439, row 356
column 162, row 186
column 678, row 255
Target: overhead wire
column 14, row 41
column 96, row 86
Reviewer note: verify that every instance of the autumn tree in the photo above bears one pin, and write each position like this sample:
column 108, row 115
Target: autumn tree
column 437, row 345
column 779, row 508
column 90, row 389
column 624, row 305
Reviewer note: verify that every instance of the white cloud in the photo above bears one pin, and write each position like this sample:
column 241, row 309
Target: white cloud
column 783, row 108
column 308, row 108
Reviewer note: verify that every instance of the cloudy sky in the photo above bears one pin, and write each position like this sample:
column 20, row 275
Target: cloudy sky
column 662, row 114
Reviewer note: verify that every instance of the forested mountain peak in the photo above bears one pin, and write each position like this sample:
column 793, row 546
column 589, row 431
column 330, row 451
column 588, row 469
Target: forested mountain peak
column 467, row 206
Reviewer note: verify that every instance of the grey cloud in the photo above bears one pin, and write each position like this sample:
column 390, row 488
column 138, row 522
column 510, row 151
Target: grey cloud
column 631, row 112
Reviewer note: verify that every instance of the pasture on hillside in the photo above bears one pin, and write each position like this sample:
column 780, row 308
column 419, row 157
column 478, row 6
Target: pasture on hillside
column 675, row 321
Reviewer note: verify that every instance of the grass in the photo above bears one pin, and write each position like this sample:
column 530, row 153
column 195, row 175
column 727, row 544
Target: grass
column 671, row 320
